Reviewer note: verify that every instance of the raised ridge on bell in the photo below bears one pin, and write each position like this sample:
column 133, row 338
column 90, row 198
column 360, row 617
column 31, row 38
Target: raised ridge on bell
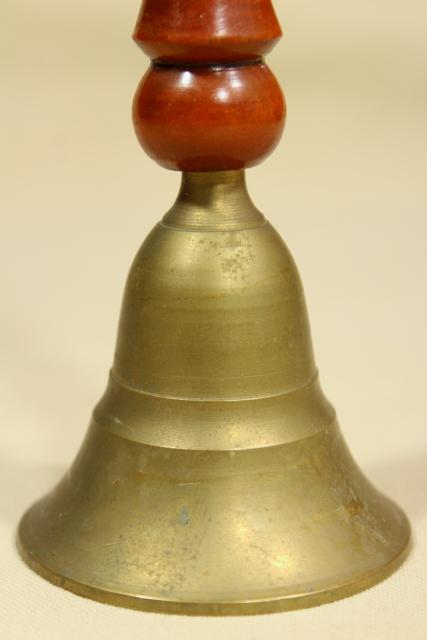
column 206, row 30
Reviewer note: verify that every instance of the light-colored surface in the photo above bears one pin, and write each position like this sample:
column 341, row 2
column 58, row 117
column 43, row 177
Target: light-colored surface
column 346, row 189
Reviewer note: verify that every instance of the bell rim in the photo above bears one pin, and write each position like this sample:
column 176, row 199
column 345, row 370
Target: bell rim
column 247, row 607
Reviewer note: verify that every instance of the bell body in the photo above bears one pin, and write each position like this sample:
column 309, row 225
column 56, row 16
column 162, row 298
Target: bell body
column 214, row 478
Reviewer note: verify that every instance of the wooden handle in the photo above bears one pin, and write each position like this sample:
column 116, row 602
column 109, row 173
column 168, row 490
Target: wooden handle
column 208, row 101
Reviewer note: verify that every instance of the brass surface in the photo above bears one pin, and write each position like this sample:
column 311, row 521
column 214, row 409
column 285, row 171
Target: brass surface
column 214, row 478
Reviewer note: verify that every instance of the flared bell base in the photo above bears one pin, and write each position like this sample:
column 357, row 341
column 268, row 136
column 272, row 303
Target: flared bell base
column 204, row 532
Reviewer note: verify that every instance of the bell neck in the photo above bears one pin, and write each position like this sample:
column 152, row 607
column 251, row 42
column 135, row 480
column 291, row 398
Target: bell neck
column 214, row 201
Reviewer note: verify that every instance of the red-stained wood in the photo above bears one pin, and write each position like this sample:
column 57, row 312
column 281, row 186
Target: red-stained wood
column 209, row 119
column 206, row 30
column 208, row 102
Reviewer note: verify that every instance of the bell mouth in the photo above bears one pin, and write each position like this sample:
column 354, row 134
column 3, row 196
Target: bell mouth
column 244, row 608
column 214, row 532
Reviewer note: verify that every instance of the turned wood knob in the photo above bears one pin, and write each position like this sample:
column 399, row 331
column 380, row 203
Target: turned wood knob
column 208, row 101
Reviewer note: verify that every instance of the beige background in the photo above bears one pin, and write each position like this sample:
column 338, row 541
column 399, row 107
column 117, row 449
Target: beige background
column 347, row 191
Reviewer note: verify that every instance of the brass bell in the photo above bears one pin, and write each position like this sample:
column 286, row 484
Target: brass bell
column 214, row 478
